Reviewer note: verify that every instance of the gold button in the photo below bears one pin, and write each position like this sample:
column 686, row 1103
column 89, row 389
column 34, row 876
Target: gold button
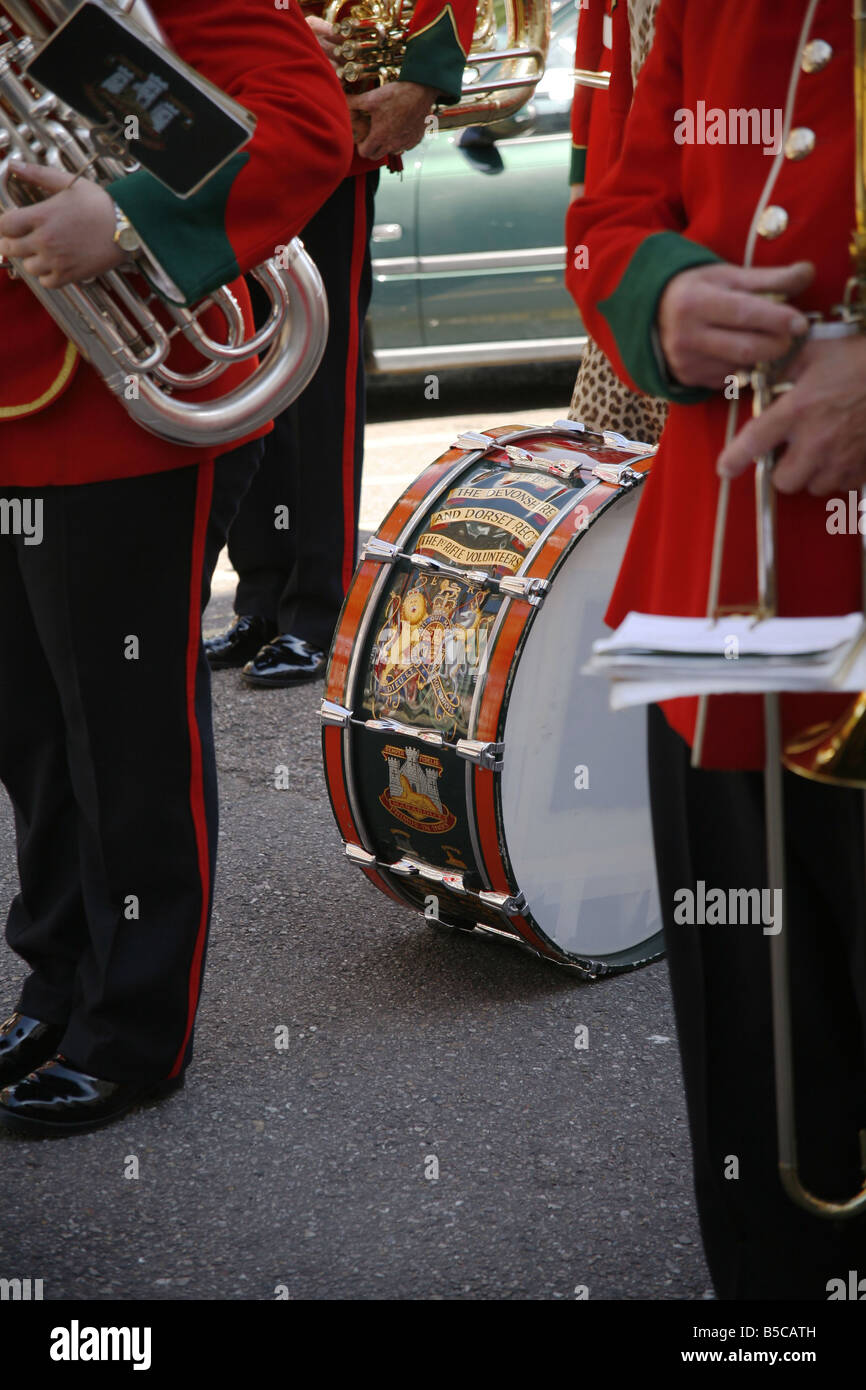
column 816, row 55
column 772, row 222
column 800, row 143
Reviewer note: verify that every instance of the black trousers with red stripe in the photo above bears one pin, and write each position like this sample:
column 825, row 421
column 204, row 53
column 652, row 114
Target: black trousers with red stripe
column 709, row 827
column 106, row 751
column 297, row 577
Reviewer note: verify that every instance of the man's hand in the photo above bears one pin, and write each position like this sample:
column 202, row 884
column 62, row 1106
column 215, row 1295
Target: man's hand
column 713, row 320
column 67, row 238
column 575, row 191
column 327, row 36
column 397, row 112
column 821, row 421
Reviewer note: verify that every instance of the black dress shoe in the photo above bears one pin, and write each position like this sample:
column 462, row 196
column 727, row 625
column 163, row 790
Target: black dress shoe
column 285, row 661
column 58, row 1099
column 25, row 1043
column 239, row 644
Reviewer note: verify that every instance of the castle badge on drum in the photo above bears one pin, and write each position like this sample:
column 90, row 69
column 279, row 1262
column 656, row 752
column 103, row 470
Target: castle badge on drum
column 413, row 790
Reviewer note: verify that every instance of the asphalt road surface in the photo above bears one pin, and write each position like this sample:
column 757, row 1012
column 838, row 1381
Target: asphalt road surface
column 426, row 1128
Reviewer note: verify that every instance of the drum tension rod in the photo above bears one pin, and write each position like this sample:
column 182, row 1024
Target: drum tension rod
column 610, row 438
column 510, row 585
column 510, row 905
column 489, row 756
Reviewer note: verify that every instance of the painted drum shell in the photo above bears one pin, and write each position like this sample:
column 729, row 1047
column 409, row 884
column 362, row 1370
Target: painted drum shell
column 409, row 800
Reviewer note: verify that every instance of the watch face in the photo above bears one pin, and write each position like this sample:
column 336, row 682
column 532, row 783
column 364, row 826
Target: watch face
column 128, row 239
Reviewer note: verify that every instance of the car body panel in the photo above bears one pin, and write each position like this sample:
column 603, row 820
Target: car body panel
column 468, row 254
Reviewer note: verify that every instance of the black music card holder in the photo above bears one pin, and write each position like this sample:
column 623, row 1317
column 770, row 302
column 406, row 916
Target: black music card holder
column 160, row 112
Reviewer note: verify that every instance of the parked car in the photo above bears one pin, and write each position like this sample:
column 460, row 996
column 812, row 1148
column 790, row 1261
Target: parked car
column 468, row 251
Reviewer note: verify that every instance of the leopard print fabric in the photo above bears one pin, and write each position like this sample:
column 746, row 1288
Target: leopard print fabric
column 641, row 24
column 600, row 400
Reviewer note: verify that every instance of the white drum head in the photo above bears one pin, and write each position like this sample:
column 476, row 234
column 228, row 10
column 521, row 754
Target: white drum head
column 575, row 797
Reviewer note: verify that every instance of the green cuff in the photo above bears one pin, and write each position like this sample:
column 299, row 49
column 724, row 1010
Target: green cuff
column 631, row 311
column 186, row 236
column 577, row 168
column 434, row 57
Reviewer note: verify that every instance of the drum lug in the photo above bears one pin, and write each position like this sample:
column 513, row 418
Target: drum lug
column 473, row 439
column 618, row 474
column 384, row 552
column 487, row 755
column 405, row 868
column 359, row 856
column 531, row 589
column 611, row 438
column 578, row 427
column 614, row 440
column 506, row 904
column 332, row 713
column 565, row 468
column 510, row 905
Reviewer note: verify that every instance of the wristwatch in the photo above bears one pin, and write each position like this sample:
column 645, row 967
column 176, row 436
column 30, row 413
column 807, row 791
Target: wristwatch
column 125, row 235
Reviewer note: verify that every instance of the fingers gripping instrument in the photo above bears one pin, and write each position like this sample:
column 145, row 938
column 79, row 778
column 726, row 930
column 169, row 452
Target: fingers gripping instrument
column 371, row 45
column 118, row 324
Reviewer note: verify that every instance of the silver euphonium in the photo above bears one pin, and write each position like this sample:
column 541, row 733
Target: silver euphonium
column 111, row 319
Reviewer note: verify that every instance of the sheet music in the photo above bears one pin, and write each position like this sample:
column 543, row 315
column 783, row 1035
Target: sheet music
column 651, row 634
column 651, row 657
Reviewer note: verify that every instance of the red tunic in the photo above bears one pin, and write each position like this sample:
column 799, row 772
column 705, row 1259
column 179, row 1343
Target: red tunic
column 667, row 205
column 58, row 422
column 598, row 115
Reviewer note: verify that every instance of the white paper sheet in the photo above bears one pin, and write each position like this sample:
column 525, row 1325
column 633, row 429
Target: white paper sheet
column 651, row 658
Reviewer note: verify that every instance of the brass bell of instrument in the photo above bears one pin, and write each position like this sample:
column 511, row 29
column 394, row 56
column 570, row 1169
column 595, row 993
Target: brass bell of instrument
column 832, row 752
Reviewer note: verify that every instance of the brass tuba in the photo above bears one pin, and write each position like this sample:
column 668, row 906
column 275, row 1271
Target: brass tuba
column 111, row 319
column 372, row 46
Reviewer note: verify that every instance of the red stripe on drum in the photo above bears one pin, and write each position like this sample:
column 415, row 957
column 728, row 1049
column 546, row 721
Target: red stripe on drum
column 484, row 789
column 332, row 749
column 560, row 540
column 347, row 631
column 499, row 666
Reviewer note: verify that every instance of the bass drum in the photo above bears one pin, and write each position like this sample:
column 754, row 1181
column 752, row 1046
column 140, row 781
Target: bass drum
column 475, row 774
